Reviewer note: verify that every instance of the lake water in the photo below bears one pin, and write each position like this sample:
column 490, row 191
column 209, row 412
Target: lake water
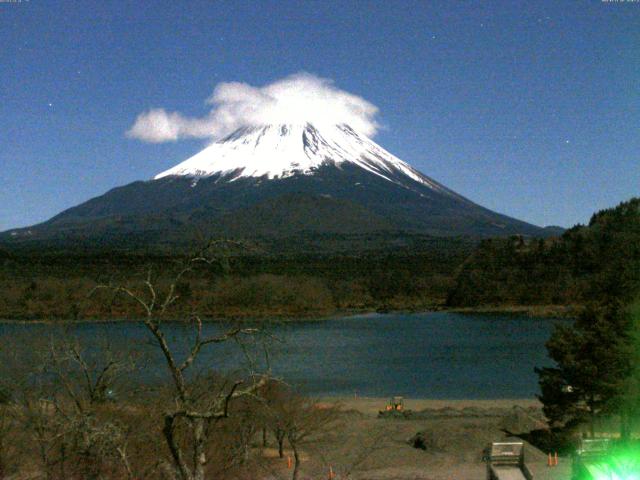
column 427, row 355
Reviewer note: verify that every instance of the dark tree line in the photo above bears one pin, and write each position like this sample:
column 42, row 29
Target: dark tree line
column 52, row 286
column 597, row 359
column 586, row 265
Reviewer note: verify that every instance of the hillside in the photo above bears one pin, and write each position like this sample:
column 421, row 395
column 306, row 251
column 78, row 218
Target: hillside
column 275, row 182
column 587, row 263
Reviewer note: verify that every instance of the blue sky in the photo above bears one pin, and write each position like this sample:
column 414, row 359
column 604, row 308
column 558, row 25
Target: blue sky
column 529, row 108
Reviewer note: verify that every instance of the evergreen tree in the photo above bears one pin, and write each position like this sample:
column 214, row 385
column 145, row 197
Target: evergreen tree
column 594, row 363
column 630, row 399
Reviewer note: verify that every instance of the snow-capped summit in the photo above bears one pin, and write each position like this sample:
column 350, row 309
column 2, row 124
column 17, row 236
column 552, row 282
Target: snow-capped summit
column 278, row 181
column 280, row 151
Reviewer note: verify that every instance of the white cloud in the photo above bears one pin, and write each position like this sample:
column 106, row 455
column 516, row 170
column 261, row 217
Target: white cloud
column 157, row 126
column 296, row 99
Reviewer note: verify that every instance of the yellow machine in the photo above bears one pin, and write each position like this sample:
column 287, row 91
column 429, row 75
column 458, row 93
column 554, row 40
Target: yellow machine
column 395, row 409
column 396, row 404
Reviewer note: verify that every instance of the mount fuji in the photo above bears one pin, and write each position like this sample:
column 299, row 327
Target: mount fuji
column 278, row 181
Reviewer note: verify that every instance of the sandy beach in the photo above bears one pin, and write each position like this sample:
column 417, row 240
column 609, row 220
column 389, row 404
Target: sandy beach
column 371, row 405
column 362, row 446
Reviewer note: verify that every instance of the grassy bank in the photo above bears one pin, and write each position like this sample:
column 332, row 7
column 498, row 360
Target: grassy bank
column 289, row 315
column 536, row 311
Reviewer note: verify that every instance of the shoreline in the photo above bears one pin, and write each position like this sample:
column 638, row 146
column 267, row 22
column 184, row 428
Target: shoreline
column 534, row 311
column 543, row 311
column 372, row 405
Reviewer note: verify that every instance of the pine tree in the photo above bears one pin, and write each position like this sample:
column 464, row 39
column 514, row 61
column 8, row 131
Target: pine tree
column 629, row 407
column 593, row 367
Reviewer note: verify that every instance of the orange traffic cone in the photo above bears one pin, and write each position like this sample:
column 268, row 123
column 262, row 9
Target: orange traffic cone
column 331, row 474
column 555, row 459
column 289, row 462
column 549, row 460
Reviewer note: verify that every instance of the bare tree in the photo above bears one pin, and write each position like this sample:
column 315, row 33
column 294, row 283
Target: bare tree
column 305, row 419
column 26, row 406
column 59, row 402
column 92, row 434
column 347, row 455
column 274, row 394
column 294, row 417
column 6, row 421
column 66, row 406
column 7, row 424
column 190, row 412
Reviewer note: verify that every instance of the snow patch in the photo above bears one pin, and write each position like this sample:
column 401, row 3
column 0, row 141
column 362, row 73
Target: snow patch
column 281, row 151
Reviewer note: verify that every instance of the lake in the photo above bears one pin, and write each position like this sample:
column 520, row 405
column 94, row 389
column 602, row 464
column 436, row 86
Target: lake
column 425, row 355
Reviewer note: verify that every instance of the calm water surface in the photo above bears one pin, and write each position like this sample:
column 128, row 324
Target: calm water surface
column 430, row 355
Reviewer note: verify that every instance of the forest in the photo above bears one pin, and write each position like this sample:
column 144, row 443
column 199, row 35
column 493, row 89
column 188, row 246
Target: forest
column 586, row 263
column 55, row 285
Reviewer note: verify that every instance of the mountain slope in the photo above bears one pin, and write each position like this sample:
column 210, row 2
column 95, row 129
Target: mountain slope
column 280, row 151
column 277, row 181
column 588, row 264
